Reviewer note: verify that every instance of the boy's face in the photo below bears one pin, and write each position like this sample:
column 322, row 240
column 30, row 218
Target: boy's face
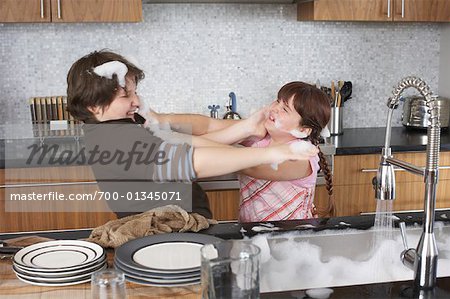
column 124, row 104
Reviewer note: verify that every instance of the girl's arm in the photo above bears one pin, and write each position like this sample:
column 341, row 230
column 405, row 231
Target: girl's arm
column 214, row 161
column 241, row 130
column 194, row 124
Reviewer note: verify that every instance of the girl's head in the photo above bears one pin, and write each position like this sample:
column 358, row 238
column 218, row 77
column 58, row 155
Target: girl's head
column 300, row 108
column 92, row 97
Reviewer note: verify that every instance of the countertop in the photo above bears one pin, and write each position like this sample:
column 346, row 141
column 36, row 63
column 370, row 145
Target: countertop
column 400, row 289
column 371, row 140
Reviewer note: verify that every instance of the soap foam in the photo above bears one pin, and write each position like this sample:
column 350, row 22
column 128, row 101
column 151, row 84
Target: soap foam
column 289, row 261
column 108, row 69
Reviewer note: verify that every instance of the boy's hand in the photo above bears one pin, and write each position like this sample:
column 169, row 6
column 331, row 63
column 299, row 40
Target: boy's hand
column 255, row 123
column 298, row 150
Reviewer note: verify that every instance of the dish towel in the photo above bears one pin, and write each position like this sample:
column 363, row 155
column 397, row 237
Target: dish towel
column 166, row 219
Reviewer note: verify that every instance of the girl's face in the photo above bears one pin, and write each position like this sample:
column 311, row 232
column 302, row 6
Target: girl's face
column 282, row 116
column 124, row 104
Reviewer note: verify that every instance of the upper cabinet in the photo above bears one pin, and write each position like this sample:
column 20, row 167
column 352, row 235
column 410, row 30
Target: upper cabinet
column 70, row 11
column 374, row 10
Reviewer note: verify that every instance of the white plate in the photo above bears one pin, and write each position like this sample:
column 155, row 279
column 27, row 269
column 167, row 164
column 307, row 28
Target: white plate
column 169, row 256
column 35, row 272
column 58, row 255
column 76, row 276
column 44, row 284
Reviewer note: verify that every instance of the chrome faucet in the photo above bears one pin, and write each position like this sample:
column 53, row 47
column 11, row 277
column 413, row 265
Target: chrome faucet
column 423, row 259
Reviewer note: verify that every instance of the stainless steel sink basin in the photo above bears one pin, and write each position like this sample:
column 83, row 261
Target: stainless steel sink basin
column 340, row 258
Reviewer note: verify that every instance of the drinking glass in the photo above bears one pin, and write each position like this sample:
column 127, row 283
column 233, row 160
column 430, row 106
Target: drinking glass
column 230, row 269
column 108, row 284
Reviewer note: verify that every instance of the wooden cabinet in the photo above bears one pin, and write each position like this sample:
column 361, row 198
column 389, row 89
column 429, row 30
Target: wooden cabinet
column 36, row 215
column 354, row 193
column 374, row 10
column 69, row 11
column 224, row 204
column 421, row 10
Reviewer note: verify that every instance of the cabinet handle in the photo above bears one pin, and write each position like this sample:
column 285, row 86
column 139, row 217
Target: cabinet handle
column 389, row 8
column 403, row 9
column 398, row 169
column 42, row 9
column 48, row 184
column 59, row 9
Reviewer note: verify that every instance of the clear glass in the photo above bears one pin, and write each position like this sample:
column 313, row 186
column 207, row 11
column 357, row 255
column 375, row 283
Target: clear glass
column 230, row 269
column 108, row 284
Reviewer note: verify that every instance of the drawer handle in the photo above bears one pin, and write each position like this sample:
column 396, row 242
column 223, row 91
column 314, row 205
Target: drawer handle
column 48, row 184
column 398, row 169
column 42, row 9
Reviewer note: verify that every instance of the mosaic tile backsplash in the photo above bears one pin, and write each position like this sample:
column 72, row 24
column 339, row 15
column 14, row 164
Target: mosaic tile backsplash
column 194, row 55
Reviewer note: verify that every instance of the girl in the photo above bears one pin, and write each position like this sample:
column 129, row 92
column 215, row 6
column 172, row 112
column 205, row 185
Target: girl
column 275, row 192
column 301, row 111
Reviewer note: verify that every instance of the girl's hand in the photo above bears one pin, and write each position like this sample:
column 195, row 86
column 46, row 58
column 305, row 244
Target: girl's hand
column 152, row 117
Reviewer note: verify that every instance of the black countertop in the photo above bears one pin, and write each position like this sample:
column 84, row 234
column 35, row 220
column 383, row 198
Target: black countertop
column 371, row 140
column 234, row 230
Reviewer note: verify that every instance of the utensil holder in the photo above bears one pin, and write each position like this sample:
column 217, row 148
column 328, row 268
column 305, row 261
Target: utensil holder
column 336, row 121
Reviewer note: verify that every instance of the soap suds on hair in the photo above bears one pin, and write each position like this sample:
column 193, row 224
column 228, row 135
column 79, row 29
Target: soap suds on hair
column 108, row 69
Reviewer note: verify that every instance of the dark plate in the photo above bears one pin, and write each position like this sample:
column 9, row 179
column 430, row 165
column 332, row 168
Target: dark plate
column 155, row 275
column 124, row 254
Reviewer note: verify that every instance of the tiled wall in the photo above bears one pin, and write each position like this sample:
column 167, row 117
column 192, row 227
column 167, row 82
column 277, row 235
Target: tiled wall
column 195, row 54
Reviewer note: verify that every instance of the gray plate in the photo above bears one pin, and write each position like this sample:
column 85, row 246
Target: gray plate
column 124, row 254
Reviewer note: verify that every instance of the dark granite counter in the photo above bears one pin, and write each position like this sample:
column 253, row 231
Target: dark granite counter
column 234, row 230
column 360, row 141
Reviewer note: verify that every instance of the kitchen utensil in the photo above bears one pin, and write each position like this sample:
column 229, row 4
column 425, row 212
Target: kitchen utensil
column 333, row 93
column 346, row 91
column 339, row 98
column 415, row 112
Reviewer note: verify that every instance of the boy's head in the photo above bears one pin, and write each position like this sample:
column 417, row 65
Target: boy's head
column 86, row 89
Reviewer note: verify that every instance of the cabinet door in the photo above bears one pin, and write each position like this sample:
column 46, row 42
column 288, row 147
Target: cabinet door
column 224, row 204
column 346, row 10
column 22, row 11
column 422, row 10
column 96, row 11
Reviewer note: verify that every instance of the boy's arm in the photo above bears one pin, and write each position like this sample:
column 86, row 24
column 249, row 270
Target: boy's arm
column 287, row 171
column 214, row 161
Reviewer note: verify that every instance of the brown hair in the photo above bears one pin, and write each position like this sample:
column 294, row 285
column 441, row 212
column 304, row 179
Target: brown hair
column 314, row 108
column 85, row 89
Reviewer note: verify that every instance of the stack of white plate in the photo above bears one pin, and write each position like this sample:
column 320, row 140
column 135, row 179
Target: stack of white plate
column 59, row 263
column 165, row 260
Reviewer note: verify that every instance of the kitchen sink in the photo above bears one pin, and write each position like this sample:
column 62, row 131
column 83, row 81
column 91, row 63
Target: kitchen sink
column 305, row 260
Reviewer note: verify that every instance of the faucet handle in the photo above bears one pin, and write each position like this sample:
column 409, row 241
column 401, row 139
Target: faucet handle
column 408, row 256
column 403, row 233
